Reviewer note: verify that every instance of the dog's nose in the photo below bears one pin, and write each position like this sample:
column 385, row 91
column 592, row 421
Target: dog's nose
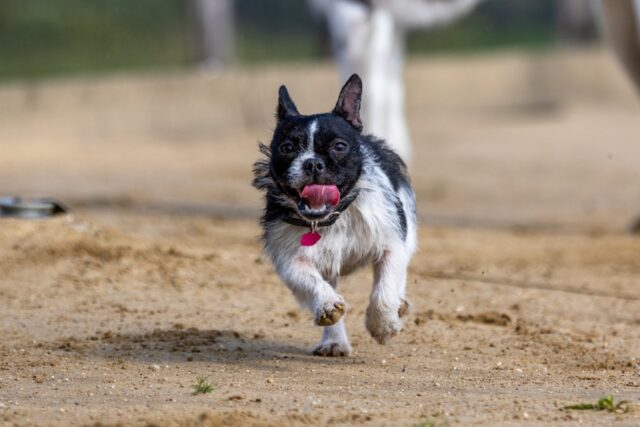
column 314, row 165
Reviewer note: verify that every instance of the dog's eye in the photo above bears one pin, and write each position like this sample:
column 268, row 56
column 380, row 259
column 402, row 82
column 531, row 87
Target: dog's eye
column 287, row 148
column 340, row 146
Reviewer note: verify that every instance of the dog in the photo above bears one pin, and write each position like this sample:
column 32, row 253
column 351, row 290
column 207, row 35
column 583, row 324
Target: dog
column 336, row 201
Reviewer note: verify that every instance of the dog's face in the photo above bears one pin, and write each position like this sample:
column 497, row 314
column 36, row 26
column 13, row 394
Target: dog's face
column 316, row 160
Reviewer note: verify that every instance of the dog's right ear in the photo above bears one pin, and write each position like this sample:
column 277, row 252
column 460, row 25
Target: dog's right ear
column 348, row 105
column 286, row 107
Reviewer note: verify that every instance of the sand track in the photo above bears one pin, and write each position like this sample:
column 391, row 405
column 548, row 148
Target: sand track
column 111, row 324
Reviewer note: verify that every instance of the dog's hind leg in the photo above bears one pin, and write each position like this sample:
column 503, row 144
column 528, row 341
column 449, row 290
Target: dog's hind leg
column 334, row 342
column 386, row 303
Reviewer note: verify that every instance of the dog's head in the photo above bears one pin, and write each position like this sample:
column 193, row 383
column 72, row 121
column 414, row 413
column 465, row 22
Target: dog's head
column 316, row 160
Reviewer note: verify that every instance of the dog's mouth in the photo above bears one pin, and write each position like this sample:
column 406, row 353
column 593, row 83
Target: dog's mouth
column 317, row 201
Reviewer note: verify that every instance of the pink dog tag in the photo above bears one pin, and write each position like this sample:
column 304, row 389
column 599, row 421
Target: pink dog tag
column 310, row 238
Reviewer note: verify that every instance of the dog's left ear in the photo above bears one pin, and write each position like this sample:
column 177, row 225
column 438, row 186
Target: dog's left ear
column 286, row 107
column 348, row 105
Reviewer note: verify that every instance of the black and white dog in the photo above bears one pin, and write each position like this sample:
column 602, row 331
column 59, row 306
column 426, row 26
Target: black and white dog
column 337, row 200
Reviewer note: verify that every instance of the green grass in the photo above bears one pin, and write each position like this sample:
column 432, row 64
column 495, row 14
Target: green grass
column 202, row 386
column 498, row 24
column 431, row 423
column 253, row 48
column 478, row 39
column 41, row 38
column 606, row 403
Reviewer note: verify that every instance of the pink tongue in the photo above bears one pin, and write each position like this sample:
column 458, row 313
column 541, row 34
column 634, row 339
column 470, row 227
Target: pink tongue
column 317, row 195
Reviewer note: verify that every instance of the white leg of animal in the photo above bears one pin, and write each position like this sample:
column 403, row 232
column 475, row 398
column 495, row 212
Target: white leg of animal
column 383, row 104
column 335, row 341
column 386, row 302
column 311, row 290
column 377, row 54
column 349, row 27
column 397, row 128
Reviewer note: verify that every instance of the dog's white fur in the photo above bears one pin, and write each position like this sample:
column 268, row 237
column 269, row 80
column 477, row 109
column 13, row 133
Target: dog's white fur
column 365, row 233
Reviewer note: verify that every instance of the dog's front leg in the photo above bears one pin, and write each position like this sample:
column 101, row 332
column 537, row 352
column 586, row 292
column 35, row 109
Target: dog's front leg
column 312, row 291
column 386, row 303
column 335, row 341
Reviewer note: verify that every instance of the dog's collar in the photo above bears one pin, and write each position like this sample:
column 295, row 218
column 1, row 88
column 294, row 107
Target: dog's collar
column 297, row 220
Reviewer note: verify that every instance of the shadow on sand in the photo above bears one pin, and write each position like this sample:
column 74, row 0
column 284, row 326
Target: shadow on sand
column 179, row 345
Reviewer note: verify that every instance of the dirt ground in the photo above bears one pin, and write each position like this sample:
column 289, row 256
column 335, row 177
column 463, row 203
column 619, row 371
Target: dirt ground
column 525, row 292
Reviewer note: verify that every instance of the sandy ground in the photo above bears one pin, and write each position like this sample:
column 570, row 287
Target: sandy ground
column 115, row 322
column 525, row 291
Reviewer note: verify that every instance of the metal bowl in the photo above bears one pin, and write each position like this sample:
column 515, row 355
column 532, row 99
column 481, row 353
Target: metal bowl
column 30, row 208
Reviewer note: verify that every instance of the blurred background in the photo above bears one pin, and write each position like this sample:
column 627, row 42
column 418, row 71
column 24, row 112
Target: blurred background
column 43, row 39
column 519, row 114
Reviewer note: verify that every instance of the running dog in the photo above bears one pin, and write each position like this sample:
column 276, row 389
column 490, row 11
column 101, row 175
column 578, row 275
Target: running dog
column 336, row 201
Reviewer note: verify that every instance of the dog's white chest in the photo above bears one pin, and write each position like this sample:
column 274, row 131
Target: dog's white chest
column 357, row 238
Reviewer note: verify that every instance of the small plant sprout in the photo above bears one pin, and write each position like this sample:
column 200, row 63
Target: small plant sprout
column 431, row 423
column 605, row 403
column 202, row 386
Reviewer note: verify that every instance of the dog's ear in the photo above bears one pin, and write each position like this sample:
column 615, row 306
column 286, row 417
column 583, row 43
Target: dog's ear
column 286, row 107
column 348, row 105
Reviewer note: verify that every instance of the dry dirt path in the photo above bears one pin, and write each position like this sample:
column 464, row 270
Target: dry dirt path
column 111, row 317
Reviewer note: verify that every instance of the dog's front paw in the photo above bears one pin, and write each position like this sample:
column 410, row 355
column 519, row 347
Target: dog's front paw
column 330, row 312
column 331, row 348
column 384, row 323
